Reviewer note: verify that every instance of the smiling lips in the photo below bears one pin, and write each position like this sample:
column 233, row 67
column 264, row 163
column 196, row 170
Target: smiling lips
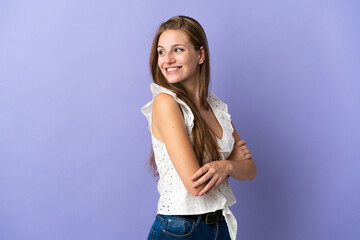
column 172, row 69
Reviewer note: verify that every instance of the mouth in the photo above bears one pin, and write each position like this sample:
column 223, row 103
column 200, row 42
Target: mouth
column 172, row 69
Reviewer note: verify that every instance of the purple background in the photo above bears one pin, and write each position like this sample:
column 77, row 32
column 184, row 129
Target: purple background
column 74, row 144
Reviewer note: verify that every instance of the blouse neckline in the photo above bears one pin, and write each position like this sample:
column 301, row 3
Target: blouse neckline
column 218, row 120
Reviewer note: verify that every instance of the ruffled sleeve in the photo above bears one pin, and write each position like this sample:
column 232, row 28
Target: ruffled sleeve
column 221, row 111
column 156, row 89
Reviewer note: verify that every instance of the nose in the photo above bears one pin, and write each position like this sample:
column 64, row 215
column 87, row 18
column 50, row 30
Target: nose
column 169, row 58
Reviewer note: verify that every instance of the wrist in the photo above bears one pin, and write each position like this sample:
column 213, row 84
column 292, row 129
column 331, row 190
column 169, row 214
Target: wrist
column 230, row 167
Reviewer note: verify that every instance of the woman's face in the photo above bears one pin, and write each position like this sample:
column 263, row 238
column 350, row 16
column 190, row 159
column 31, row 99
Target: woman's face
column 178, row 59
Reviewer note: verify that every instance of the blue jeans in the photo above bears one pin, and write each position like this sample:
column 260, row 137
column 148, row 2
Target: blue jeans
column 168, row 227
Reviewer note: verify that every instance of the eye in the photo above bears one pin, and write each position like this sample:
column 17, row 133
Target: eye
column 161, row 52
column 179, row 50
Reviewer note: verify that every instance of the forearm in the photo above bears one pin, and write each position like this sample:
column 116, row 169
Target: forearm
column 242, row 169
column 241, row 166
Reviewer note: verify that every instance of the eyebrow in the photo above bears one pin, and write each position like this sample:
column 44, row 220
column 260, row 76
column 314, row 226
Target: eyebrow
column 175, row 45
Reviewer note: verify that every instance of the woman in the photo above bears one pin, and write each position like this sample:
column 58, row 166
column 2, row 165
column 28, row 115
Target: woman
column 195, row 145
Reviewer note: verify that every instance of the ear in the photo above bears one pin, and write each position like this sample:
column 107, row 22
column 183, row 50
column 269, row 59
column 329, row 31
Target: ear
column 201, row 55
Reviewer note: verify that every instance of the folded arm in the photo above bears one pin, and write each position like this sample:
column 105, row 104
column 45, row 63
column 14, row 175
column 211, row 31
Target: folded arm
column 239, row 165
column 242, row 167
column 167, row 117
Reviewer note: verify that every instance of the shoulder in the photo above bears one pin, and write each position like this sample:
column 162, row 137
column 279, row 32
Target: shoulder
column 164, row 102
column 165, row 108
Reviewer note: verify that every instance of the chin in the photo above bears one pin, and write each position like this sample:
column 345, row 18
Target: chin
column 172, row 81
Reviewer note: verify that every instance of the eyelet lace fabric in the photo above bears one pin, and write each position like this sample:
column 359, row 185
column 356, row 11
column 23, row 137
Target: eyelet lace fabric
column 174, row 198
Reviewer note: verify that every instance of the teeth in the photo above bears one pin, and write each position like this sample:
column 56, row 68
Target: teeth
column 172, row 69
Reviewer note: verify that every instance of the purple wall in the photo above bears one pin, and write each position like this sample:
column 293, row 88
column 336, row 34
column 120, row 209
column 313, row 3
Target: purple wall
column 74, row 144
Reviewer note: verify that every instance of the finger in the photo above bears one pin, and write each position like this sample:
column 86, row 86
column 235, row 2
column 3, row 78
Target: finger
column 208, row 186
column 200, row 172
column 203, row 179
column 247, row 156
column 217, row 184
column 240, row 142
column 243, row 147
column 245, row 151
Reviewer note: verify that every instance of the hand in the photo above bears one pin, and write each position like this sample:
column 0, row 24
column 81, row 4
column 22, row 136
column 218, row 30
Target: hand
column 215, row 173
column 241, row 151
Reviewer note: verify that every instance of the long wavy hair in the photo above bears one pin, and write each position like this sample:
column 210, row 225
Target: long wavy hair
column 204, row 139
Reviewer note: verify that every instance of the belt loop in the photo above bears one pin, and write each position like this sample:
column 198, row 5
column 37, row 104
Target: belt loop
column 198, row 220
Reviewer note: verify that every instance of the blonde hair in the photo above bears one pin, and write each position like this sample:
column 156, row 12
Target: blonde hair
column 204, row 139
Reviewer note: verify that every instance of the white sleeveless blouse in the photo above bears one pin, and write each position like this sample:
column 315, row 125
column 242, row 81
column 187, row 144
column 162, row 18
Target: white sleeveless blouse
column 174, row 198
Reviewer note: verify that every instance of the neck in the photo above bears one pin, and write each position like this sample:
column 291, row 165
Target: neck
column 193, row 86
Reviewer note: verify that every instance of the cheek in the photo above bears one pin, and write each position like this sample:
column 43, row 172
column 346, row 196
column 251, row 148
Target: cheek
column 190, row 60
column 192, row 63
column 161, row 61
